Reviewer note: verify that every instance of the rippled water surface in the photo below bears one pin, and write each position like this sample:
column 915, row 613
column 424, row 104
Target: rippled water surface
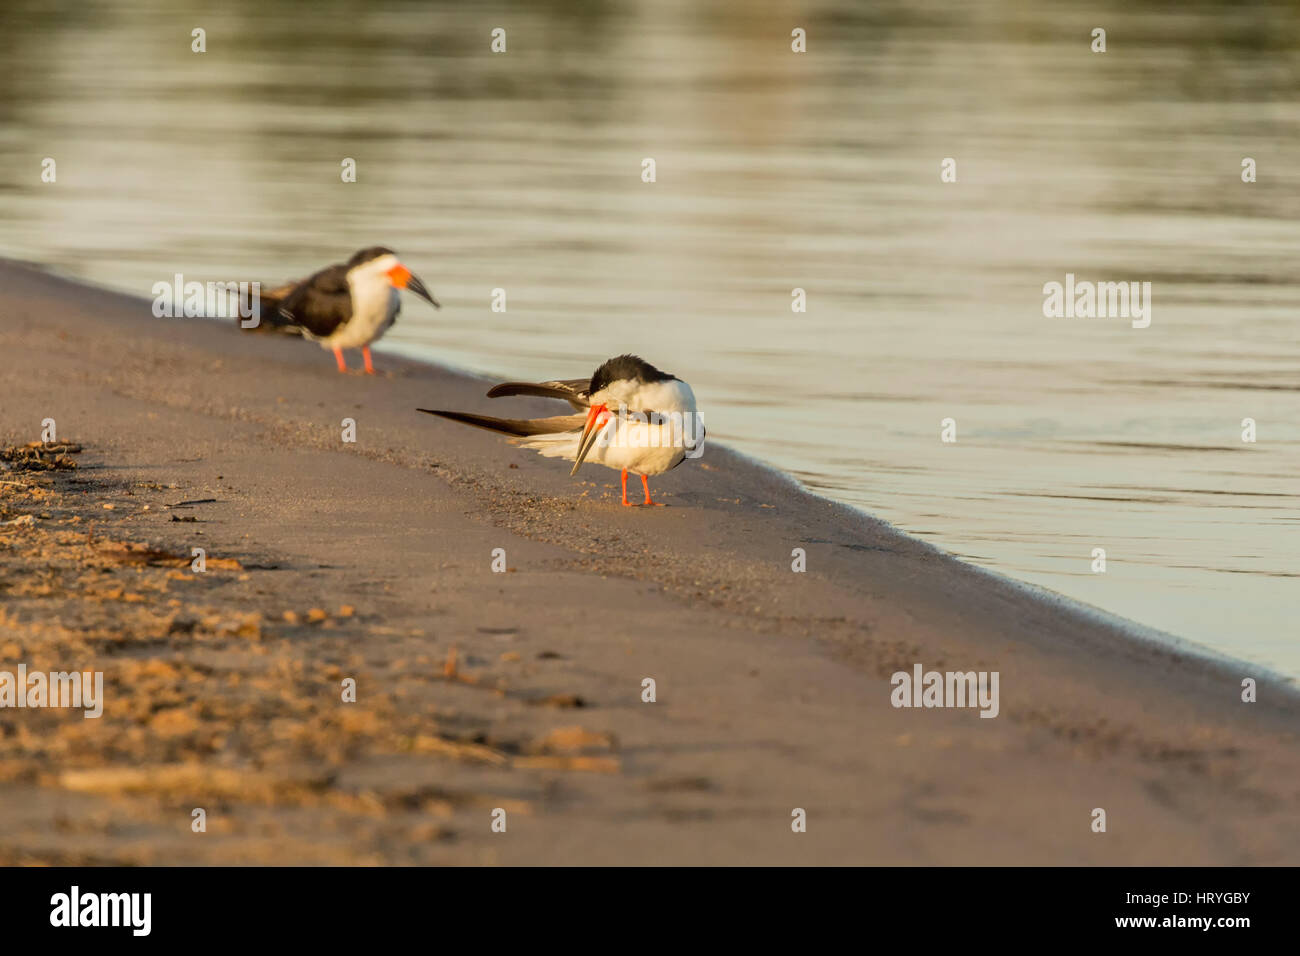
column 775, row 171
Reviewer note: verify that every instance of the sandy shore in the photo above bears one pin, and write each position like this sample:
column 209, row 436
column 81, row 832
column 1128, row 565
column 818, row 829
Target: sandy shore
column 522, row 690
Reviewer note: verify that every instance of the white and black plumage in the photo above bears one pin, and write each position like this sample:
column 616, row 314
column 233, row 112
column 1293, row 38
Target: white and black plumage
column 631, row 417
column 344, row 306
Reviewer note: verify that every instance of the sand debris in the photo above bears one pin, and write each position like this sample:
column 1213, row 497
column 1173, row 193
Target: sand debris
column 232, row 715
column 559, row 700
column 574, row 740
column 138, row 554
column 189, row 780
column 474, row 753
column 584, row 764
column 40, row 456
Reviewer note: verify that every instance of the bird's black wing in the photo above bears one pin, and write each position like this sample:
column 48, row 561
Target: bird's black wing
column 517, row 427
column 572, row 390
column 321, row 303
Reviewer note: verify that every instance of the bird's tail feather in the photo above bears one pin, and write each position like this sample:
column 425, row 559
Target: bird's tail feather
column 270, row 318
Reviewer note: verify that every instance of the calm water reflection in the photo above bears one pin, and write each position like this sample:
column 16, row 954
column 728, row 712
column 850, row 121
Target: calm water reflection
column 775, row 171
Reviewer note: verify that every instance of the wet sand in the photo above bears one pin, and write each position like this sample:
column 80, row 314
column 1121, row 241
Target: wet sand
column 521, row 690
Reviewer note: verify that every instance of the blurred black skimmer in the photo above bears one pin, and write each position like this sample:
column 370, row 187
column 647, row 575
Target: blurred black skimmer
column 344, row 306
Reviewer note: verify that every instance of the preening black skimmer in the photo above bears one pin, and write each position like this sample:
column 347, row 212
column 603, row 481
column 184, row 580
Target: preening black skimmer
column 345, row 306
column 631, row 417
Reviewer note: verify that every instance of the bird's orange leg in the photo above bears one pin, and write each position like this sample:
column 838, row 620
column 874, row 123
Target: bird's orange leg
column 338, row 357
column 626, row 503
column 365, row 352
column 645, row 483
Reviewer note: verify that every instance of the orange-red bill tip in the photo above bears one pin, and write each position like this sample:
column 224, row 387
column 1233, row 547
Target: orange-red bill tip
column 589, row 434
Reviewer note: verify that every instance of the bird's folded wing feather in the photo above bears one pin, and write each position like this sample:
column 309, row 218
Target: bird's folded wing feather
column 519, row 427
column 572, row 390
column 320, row 304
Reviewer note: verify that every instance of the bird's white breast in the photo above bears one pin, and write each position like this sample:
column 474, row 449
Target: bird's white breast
column 374, row 307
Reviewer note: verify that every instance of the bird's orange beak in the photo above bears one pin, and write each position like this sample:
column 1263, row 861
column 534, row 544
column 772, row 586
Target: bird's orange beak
column 590, row 432
column 401, row 278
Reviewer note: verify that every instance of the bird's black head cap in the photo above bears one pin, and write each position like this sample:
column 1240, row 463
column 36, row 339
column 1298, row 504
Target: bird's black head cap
column 626, row 367
column 369, row 254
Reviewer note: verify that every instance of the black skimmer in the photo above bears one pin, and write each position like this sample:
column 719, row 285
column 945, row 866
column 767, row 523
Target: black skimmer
column 631, row 417
column 344, row 306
